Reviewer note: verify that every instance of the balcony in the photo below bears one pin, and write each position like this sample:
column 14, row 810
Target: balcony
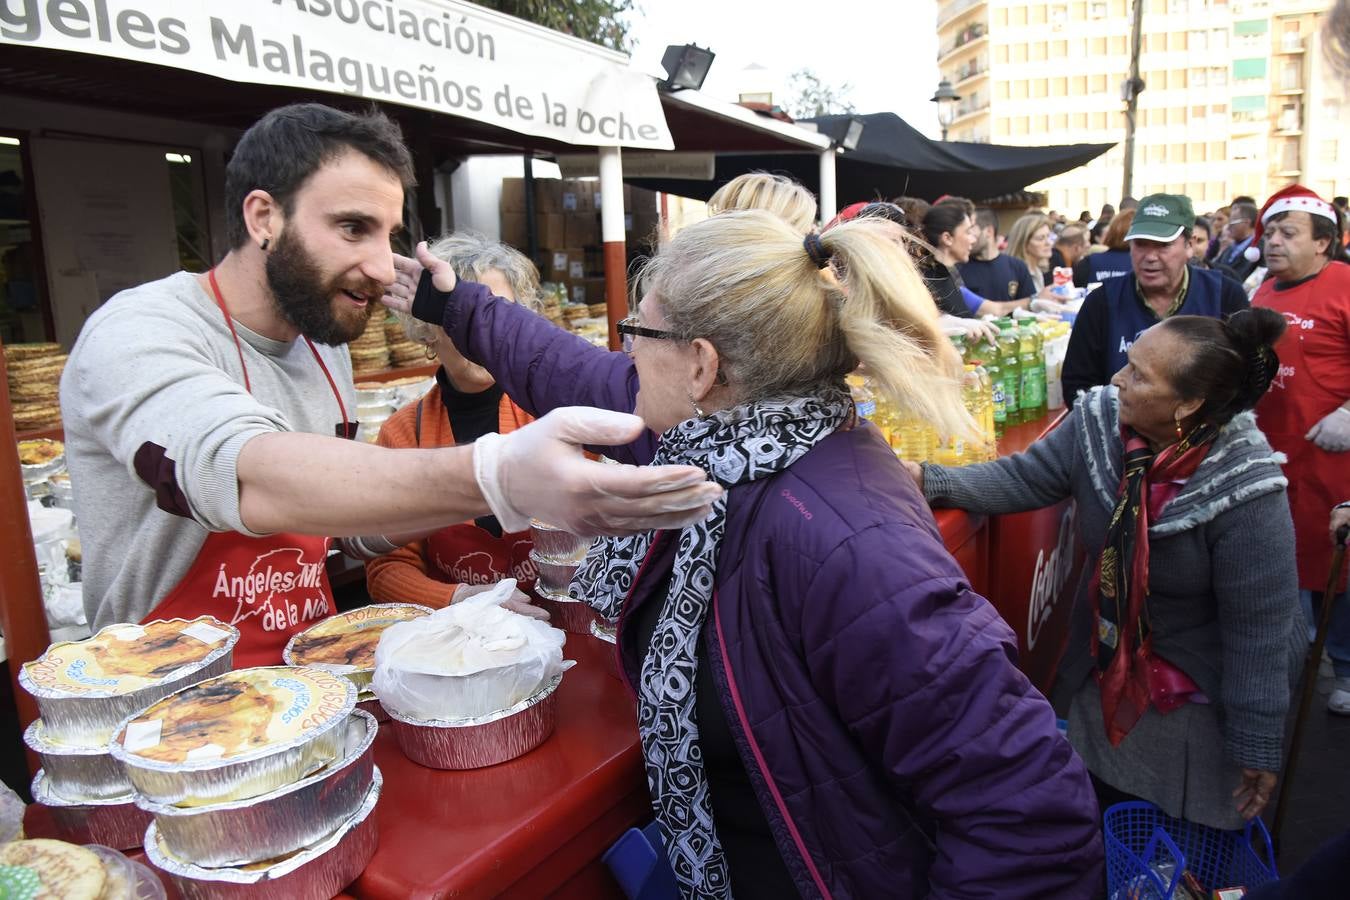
column 1291, row 42
column 956, row 8
column 971, row 108
column 972, row 69
column 975, row 31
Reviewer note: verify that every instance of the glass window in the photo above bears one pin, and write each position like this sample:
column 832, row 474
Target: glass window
column 1001, row 90
column 1017, row 15
column 1249, row 68
column 1000, row 17
column 1178, row 78
column 1328, row 151
column 1099, row 121
column 1097, row 46
column 1020, row 90
column 1118, row 47
column 1195, row 152
column 1098, row 84
column 1001, row 53
column 1059, row 49
column 1037, row 16
column 1019, row 53
column 1059, row 86
column 1038, row 88
column 1197, row 78
column 1079, row 120
column 1251, row 27
column 1038, row 51
column 1197, row 40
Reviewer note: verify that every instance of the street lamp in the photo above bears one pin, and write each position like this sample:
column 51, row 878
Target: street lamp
column 946, row 99
column 686, row 66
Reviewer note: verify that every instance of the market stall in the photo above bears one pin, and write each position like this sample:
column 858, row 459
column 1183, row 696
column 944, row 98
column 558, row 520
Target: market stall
column 538, row 824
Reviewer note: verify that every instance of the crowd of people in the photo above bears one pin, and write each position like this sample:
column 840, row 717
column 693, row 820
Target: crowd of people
column 825, row 706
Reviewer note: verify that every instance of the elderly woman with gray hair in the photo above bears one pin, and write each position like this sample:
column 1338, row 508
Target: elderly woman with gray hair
column 464, row 405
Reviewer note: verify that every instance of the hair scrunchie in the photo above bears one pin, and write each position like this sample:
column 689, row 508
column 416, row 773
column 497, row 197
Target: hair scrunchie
column 815, row 249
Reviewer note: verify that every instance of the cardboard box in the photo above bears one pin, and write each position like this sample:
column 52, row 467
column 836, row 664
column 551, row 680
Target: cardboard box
column 514, row 231
column 550, row 230
column 513, row 195
column 570, row 195
column 548, row 195
column 562, row 262
column 582, row 229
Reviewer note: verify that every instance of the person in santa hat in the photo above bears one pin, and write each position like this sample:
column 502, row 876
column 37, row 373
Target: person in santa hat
column 1306, row 414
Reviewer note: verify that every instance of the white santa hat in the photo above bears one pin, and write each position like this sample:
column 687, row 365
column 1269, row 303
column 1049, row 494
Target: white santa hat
column 1294, row 198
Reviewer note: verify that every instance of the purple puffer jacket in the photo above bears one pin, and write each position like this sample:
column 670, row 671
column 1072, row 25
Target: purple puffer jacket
column 894, row 747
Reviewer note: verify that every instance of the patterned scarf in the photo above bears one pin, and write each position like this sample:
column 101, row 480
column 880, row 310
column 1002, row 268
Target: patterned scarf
column 1122, row 643
column 734, row 446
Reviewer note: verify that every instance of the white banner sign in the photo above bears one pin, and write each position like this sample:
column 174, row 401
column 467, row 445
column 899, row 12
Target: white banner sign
column 442, row 55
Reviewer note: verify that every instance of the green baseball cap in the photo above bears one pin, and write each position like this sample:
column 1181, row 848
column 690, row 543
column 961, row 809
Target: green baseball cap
column 1162, row 218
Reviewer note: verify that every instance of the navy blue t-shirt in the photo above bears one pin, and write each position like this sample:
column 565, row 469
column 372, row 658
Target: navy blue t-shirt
column 1002, row 278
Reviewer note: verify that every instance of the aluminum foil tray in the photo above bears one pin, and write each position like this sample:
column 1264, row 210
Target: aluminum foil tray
column 483, row 741
column 571, row 615
column 275, row 824
column 371, row 704
column 116, row 823
column 554, row 575
column 316, row 873
column 41, row 471
column 77, row 773
column 603, row 630
column 85, row 689
column 555, row 545
column 344, row 644
column 280, row 724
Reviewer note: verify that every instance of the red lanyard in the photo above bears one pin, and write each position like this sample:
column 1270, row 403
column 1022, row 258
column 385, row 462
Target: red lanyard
column 229, row 321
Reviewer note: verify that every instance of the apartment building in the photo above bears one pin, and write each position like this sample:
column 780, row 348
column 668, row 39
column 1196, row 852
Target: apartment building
column 1236, row 100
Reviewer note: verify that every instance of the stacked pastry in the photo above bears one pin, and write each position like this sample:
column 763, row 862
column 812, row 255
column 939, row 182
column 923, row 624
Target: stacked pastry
column 370, row 351
column 261, row 783
column 405, row 352
column 34, row 384
column 84, row 689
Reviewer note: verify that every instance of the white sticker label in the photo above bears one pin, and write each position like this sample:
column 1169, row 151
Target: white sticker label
column 577, row 269
column 206, row 751
column 128, row 633
column 560, row 261
column 207, row 634
column 142, row 735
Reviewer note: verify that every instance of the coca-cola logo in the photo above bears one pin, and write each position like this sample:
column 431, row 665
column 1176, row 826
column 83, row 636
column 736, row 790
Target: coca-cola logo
column 1051, row 574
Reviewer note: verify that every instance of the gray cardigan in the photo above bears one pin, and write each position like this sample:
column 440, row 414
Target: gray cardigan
column 1223, row 587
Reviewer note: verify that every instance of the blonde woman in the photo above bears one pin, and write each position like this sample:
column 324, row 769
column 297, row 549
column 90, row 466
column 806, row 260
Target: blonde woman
column 1029, row 241
column 465, row 404
column 825, row 707
column 777, row 194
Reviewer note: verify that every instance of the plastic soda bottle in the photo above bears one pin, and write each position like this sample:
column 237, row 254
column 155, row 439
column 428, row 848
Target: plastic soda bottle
column 1031, row 356
column 864, row 401
column 978, row 394
column 1010, row 367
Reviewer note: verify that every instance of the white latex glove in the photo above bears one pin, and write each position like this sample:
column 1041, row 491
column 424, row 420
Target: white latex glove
column 519, row 603
column 978, row 329
column 539, row 472
column 1054, row 307
column 1332, row 434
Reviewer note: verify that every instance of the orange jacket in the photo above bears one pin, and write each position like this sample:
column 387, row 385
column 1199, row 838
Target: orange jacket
column 401, row 576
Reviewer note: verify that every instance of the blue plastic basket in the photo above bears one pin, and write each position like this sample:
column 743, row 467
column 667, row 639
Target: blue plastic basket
column 1138, row 834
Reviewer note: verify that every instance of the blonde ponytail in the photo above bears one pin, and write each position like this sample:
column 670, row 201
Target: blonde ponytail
column 783, row 327
column 890, row 323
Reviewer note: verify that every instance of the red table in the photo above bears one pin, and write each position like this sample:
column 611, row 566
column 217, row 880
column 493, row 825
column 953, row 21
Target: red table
column 531, row 827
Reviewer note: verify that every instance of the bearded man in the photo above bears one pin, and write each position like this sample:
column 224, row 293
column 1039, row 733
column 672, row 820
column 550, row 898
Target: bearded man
column 207, row 416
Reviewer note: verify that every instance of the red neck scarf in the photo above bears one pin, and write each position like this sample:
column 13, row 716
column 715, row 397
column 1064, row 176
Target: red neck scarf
column 1122, row 644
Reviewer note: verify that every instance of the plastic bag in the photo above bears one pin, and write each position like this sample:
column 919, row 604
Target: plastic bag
column 470, row 659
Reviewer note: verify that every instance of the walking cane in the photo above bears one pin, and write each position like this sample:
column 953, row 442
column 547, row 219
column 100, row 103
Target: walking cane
column 1310, row 666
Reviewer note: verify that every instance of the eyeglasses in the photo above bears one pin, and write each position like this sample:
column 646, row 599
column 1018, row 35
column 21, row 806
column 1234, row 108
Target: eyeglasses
column 629, row 329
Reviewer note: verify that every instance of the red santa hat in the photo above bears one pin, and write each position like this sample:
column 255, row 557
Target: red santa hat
column 1294, row 198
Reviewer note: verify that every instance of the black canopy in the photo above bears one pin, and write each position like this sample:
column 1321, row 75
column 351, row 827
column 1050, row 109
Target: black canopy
column 893, row 159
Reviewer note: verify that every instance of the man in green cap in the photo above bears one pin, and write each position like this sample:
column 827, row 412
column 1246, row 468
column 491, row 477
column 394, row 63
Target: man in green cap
column 1161, row 285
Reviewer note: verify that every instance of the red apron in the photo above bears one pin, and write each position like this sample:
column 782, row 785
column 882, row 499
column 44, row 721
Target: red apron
column 467, row 554
column 268, row 587
column 1313, row 379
